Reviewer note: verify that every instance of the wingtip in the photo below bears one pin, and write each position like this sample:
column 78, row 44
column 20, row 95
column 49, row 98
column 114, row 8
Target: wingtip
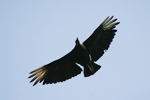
column 112, row 16
column 34, row 84
column 117, row 23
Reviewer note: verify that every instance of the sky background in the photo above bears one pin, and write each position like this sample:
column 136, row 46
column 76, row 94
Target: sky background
column 35, row 33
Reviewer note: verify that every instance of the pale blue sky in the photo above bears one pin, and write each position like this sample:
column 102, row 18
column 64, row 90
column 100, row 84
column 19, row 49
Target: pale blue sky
column 34, row 33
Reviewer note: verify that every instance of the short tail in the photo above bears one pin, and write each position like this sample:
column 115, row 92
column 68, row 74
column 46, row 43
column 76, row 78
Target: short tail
column 88, row 72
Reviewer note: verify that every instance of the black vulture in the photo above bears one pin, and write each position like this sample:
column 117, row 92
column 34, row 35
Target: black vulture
column 84, row 54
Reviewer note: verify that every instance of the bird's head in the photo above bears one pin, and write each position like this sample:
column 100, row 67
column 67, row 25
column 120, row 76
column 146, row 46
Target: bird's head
column 77, row 42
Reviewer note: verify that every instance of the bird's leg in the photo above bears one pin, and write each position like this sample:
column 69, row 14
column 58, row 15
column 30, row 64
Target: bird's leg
column 91, row 68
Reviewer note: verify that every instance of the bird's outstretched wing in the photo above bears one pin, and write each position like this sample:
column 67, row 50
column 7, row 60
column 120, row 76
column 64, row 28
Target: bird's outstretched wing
column 101, row 38
column 57, row 71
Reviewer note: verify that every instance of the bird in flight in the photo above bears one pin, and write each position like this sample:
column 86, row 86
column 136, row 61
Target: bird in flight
column 84, row 54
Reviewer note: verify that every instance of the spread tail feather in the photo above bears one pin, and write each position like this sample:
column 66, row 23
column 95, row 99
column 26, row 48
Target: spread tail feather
column 88, row 72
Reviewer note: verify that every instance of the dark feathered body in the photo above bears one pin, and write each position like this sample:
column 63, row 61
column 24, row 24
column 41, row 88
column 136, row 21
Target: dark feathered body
column 84, row 54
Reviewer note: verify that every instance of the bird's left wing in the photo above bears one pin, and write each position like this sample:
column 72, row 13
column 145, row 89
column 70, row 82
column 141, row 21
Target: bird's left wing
column 57, row 71
column 101, row 38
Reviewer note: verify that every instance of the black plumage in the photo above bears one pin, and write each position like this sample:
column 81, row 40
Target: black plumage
column 85, row 54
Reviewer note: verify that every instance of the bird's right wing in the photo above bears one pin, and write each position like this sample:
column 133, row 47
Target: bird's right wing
column 57, row 71
column 101, row 38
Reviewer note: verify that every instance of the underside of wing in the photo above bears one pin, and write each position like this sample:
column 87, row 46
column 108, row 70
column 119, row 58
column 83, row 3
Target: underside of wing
column 57, row 71
column 101, row 38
